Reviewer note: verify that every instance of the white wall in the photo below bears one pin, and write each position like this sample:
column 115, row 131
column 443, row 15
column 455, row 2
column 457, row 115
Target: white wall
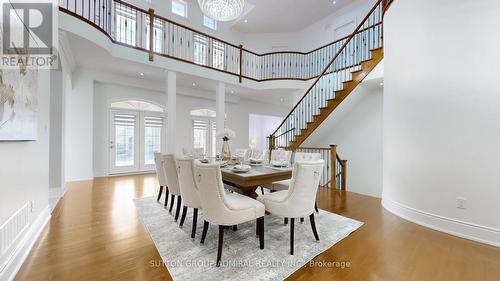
column 316, row 35
column 356, row 128
column 24, row 172
column 78, row 128
column 91, row 138
column 24, row 177
column 441, row 117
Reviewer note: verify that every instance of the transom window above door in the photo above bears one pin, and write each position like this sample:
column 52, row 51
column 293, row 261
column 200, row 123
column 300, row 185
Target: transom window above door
column 136, row 105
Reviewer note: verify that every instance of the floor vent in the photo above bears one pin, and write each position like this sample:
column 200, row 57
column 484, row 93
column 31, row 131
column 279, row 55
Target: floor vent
column 14, row 227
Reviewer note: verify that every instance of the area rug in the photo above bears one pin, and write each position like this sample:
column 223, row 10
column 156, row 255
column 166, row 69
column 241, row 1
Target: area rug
column 187, row 259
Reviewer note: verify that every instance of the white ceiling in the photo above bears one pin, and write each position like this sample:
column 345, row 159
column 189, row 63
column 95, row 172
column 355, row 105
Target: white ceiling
column 90, row 56
column 273, row 16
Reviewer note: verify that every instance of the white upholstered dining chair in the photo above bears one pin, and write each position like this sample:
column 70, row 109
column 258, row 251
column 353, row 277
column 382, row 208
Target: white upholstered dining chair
column 277, row 155
column 299, row 200
column 225, row 209
column 170, row 168
column 162, row 179
column 189, row 191
column 298, row 157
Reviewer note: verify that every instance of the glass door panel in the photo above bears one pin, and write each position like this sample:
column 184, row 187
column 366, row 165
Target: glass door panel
column 151, row 139
column 123, row 143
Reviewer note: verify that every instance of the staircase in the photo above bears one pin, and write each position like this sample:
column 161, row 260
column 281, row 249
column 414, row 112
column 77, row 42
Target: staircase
column 359, row 55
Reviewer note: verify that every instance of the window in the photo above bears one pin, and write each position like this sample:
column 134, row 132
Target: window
column 219, row 52
column 158, row 35
column 152, row 138
column 204, row 131
column 200, row 49
column 179, row 7
column 210, row 23
column 125, row 25
column 260, row 127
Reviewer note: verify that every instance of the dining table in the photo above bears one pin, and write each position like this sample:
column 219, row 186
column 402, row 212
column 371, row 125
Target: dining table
column 248, row 182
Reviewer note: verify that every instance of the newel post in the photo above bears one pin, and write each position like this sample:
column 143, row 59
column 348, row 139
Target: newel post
column 272, row 138
column 344, row 174
column 151, row 33
column 241, row 63
column 333, row 166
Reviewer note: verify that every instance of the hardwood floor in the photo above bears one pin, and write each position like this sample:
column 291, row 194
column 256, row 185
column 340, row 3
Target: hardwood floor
column 95, row 234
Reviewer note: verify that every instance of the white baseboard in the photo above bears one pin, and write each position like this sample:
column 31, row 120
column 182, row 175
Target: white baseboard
column 22, row 250
column 478, row 233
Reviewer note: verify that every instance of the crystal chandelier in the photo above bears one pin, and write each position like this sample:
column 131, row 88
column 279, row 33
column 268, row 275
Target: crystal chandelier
column 222, row 10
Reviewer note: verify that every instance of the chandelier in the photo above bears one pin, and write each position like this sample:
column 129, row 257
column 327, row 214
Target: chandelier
column 222, row 10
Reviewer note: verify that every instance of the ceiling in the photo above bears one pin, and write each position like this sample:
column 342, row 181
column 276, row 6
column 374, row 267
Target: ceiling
column 273, row 16
column 90, row 56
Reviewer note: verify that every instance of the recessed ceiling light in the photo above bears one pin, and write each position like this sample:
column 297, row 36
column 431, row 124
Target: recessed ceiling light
column 246, row 21
column 381, row 83
column 232, row 92
column 194, row 84
column 334, row 2
column 142, row 74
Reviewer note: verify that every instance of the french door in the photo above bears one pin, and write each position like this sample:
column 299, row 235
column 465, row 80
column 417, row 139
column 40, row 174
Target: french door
column 204, row 135
column 134, row 138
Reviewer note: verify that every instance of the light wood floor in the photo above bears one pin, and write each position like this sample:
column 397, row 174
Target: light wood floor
column 95, row 234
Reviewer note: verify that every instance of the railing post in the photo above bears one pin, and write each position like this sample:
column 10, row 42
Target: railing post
column 241, row 63
column 271, row 145
column 151, row 33
column 344, row 174
column 333, row 166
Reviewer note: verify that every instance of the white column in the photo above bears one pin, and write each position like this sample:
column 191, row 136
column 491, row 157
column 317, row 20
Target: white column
column 171, row 114
column 220, row 100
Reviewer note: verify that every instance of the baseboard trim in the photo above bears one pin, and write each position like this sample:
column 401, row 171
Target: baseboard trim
column 479, row 233
column 21, row 251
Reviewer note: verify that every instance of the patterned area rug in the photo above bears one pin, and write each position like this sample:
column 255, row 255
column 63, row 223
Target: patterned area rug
column 187, row 259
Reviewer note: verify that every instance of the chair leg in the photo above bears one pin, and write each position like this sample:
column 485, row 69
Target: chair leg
column 313, row 226
column 166, row 196
column 204, row 233
column 235, row 227
column 183, row 217
column 159, row 193
column 286, row 221
column 178, row 210
column 195, row 219
column 292, row 221
column 262, row 190
column 172, row 198
column 260, row 223
column 316, row 207
column 219, row 249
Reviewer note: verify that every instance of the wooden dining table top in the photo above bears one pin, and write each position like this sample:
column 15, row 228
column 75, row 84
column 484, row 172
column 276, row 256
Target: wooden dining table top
column 247, row 183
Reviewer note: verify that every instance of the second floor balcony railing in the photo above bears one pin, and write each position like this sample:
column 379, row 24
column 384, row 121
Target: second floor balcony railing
column 130, row 26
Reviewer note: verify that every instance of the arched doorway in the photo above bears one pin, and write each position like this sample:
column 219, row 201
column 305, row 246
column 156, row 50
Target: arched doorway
column 135, row 134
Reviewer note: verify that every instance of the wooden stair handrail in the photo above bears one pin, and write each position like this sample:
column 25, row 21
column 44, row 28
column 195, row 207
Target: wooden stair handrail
column 341, row 49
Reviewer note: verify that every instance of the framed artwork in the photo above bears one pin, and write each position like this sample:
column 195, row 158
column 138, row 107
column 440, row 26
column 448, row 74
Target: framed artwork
column 18, row 104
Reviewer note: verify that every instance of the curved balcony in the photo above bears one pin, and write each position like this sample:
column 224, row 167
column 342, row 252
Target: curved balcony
column 130, row 26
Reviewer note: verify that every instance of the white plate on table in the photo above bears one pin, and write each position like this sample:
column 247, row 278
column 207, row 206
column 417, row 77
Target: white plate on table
column 279, row 164
column 255, row 161
column 241, row 168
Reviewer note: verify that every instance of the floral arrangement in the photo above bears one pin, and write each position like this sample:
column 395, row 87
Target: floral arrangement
column 226, row 134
